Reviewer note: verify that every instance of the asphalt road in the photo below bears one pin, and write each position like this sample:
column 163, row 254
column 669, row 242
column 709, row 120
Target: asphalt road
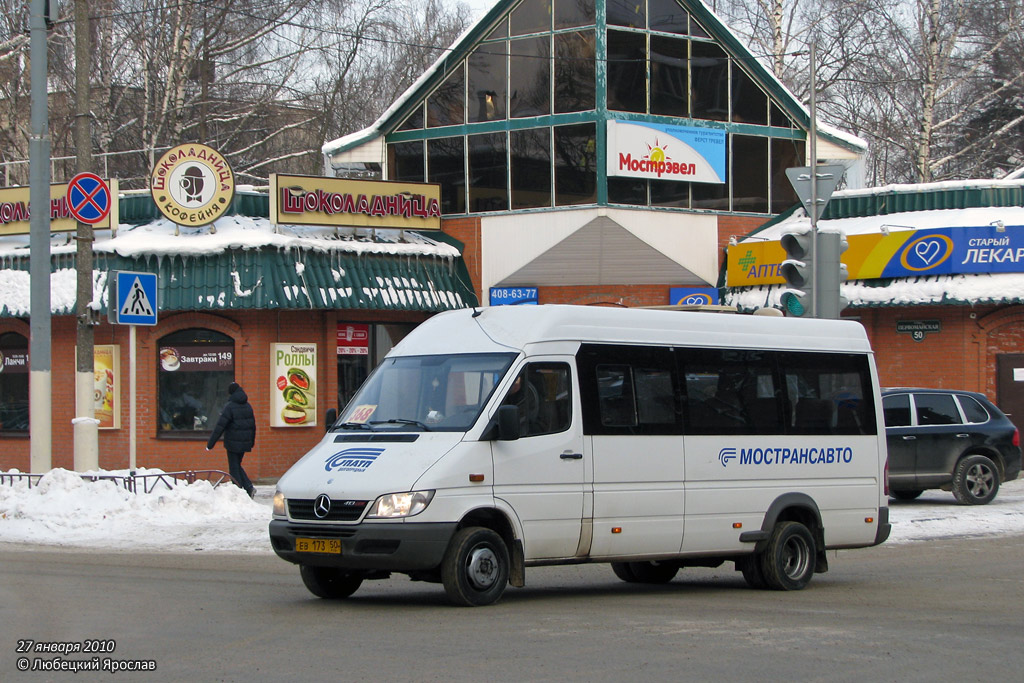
column 949, row 610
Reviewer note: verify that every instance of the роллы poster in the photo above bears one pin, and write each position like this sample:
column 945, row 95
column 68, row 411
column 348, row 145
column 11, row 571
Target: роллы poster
column 293, row 390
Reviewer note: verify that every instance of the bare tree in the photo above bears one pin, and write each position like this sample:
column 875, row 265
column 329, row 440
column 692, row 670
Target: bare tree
column 263, row 81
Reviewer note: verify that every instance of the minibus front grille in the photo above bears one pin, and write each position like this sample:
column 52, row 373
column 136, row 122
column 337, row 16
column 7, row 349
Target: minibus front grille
column 341, row 510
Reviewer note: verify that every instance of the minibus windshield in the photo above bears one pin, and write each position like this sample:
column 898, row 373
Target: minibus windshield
column 425, row 393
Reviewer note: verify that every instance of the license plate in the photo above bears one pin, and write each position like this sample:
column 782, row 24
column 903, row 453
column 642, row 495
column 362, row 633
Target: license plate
column 318, row 545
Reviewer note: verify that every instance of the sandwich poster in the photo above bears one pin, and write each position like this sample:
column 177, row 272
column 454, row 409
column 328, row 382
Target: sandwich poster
column 107, row 390
column 293, row 376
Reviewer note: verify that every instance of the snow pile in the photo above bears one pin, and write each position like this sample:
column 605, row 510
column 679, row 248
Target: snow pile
column 64, row 510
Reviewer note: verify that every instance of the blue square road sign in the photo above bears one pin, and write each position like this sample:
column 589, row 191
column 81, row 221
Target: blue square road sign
column 134, row 298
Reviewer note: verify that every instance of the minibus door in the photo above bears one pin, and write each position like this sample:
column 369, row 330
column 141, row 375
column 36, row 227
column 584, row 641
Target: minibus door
column 540, row 475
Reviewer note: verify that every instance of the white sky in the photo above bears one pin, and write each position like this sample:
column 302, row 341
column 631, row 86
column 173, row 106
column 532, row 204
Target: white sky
column 65, row 511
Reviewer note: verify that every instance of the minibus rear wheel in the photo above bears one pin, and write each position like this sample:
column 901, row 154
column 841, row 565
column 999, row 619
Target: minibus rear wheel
column 329, row 582
column 789, row 558
column 475, row 567
column 752, row 574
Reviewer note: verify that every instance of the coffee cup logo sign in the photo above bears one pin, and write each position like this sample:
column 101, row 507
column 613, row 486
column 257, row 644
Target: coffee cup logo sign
column 192, row 185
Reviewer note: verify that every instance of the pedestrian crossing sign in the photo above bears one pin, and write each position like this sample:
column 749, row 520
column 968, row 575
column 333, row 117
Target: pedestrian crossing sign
column 132, row 298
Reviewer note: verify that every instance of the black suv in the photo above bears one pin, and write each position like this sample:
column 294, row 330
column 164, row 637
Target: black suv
column 950, row 440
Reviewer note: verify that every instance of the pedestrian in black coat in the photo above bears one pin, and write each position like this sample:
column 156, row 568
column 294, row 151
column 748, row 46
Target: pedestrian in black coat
column 238, row 425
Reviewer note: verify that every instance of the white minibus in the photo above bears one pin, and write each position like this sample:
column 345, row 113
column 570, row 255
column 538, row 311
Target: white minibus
column 492, row 440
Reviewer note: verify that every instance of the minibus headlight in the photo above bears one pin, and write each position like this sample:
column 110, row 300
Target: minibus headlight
column 392, row 505
column 279, row 507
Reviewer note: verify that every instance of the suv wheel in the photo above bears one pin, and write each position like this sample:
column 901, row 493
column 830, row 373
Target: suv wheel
column 975, row 481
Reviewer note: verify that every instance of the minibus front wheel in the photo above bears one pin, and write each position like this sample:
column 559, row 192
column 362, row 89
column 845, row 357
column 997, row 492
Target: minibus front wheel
column 475, row 567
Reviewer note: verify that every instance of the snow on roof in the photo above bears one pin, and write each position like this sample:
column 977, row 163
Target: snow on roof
column 157, row 238
column 895, row 222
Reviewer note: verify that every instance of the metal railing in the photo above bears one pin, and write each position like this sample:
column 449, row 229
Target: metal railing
column 132, row 482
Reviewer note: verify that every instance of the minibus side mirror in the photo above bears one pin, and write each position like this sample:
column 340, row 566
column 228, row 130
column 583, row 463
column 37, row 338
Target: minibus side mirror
column 330, row 419
column 505, row 426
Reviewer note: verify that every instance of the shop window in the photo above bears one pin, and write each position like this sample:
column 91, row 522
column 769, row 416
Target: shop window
column 532, row 16
column 14, row 374
column 488, row 173
column 531, row 168
column 750, row 174
column 749, row 102
column 573, row 13
column 575, row 164
column 627, row 71
column 575, row 72
column 670, row 193
column 500, row 31
column 414, row 121
column 405, row 161
column 784, row 154
column 194, row 369
column 530, row 77
column 667, row 16
column 488, row 80
column 631, row 13
column 446, row 106
column 709, row 80
column 627, row 191
column 446, row 166
column 670, row 92
column 778, row 118
column 696, row 30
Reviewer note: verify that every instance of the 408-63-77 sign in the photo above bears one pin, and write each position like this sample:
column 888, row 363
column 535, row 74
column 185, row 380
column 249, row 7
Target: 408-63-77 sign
column 132, row 299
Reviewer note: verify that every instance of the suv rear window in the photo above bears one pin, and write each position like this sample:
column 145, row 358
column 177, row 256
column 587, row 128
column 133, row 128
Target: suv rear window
column 974, row 411
column 936, row 409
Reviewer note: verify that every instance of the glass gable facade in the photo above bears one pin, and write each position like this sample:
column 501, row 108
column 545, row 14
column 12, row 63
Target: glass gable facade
column 520, row 123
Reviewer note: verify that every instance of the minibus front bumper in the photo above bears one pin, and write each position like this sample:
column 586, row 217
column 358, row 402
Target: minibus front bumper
column 405, row 547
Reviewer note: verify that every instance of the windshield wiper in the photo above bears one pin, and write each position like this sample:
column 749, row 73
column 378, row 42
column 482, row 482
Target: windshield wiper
column 352, row 425
column 402, row 421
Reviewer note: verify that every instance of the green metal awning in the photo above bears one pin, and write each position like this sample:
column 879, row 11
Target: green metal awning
column 243, row 262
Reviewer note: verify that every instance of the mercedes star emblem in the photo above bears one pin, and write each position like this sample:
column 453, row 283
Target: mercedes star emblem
column 321, row 506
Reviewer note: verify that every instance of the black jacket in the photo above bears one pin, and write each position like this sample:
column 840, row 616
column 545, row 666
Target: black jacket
column 237, row 423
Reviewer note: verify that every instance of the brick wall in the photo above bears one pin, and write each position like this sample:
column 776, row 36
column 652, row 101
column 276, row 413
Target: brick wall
column 467, row 231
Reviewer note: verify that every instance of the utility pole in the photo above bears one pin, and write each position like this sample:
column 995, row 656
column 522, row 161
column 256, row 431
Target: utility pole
column 40, row 410
column 814, row 180
column 86, row 426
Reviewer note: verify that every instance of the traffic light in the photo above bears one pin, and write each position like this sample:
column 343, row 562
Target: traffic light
column 831, row 274
column 798, row 271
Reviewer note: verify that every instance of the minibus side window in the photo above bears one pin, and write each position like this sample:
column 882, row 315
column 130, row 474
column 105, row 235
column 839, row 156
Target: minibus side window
column 542, row 392
column 615, row 395
column 731, row 391
column 629, row 389
column 828, row 393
